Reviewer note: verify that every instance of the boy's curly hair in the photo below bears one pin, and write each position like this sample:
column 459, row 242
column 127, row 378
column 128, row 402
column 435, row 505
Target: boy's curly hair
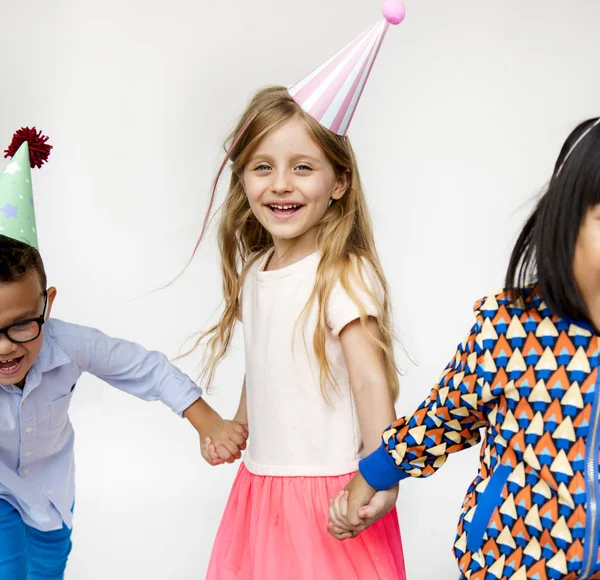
column 17, row 260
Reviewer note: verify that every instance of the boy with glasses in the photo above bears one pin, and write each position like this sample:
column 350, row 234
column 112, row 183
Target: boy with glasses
column 41, row 360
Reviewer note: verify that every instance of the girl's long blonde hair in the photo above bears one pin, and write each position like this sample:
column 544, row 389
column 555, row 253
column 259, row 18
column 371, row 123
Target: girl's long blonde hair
column 345, row 237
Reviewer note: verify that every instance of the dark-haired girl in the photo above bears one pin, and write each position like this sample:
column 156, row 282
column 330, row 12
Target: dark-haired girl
column 525, row 381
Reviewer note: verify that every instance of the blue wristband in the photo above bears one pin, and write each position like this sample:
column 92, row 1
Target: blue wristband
column 380, row 470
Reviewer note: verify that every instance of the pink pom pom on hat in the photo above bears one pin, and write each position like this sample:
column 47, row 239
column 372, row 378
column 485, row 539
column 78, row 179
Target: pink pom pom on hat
column 393, row 11
column 331, row 92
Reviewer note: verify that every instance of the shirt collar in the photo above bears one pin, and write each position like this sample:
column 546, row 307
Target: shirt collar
column 51, row 357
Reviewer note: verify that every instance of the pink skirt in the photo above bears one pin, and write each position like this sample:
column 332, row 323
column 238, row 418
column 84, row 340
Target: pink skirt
column 275, row 528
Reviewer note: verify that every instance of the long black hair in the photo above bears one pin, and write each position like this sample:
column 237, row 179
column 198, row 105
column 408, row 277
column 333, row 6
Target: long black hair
column 545, row 249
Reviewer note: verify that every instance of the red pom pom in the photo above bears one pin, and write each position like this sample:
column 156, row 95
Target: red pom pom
column 39, row 150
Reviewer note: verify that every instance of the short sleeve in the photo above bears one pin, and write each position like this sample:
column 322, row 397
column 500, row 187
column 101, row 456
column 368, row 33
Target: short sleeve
column 366, row 292
column 255, row 262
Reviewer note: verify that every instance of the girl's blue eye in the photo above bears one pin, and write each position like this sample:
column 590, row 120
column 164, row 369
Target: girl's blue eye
column 304, row 168
column 262, row 168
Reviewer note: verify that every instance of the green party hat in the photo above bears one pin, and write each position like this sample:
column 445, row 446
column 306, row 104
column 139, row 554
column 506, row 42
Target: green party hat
column 17, row 214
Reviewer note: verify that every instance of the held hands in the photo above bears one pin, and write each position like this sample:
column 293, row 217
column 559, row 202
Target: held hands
column 357, row 507
column 221, row 441
column 224, row 442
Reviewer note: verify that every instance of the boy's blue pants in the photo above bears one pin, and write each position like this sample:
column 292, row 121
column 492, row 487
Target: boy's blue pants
column 27, row 553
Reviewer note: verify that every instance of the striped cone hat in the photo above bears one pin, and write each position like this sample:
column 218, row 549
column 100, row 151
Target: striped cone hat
column 331, row 92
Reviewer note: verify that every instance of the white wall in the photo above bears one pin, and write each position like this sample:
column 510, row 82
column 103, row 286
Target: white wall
column 458, row 129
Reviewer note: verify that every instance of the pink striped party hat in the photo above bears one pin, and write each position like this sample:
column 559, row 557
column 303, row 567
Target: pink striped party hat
column 331, row 92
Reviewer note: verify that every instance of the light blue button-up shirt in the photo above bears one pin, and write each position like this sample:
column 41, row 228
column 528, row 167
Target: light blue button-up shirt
column 36, row 436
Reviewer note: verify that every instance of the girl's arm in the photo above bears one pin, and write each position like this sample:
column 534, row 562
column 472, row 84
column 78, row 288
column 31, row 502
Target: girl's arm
column 241, row 415
column 374, row 407
column 239, row 422
column 366, row 369
column 446, row 422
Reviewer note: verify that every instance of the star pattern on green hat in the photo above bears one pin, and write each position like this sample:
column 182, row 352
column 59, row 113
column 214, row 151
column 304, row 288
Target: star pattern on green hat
column 17, row 214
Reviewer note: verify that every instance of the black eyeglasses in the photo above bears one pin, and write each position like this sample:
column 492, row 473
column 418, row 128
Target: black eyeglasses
column 26, row 330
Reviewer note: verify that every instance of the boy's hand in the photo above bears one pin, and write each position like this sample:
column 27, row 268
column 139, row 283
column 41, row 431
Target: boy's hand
column 209, row 453
column 221, row 441
column 224, row 442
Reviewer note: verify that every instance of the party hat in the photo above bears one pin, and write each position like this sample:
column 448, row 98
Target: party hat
column 331, row 92
column 28, row 149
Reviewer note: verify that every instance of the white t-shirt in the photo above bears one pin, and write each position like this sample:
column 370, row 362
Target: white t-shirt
column 293, row 431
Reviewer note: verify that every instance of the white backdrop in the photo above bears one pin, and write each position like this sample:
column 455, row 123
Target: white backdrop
column 458, row 129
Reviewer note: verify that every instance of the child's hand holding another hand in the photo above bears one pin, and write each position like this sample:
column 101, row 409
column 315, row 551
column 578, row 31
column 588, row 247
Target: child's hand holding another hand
column 224, row 442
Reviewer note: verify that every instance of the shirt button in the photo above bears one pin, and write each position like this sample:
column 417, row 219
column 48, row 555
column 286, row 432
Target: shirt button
column 29, row 430
column 49, row 491
column 25, row 471
column 28, row 454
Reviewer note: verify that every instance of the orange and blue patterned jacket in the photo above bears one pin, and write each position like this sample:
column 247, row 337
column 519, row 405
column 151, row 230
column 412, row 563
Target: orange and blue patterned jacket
column 527, row 381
